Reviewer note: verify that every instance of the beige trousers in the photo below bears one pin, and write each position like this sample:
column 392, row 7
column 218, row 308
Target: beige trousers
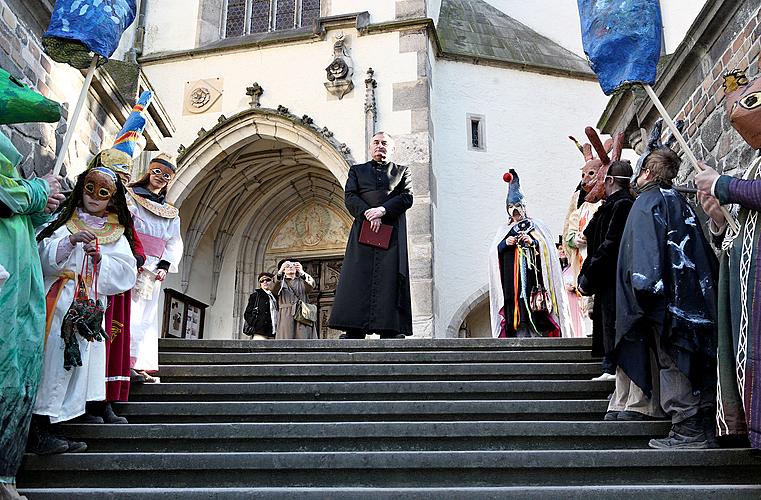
column 629, row 397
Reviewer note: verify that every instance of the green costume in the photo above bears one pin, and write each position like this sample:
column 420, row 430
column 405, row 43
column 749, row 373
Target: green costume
column 22, row 306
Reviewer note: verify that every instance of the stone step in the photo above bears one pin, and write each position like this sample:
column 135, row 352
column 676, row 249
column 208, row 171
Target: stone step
column 365, row 436
column 369, row 390
column 374, row 357
column 595, row 492
column 399, row 345
column 361, row 411
column 392, row 469
column 326, row 372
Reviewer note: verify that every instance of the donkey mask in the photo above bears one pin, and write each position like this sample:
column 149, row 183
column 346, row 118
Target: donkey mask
column 608, row 153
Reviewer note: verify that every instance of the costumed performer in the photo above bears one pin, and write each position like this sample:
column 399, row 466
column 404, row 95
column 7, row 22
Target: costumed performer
column 666, row 306
column 24, row 205
column 569, row 281
column 598, row 274
column 739, row 387
column 526, row 288
column 87, row 253
column 127, row 146
column 158, row 226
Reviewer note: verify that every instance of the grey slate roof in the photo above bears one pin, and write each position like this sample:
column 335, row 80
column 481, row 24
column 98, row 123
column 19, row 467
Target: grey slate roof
column 473, row 29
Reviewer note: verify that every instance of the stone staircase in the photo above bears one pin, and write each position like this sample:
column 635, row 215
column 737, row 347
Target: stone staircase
column 413, row 418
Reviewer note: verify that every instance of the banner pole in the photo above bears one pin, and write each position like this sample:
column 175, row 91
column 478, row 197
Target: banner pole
column 75, row 116
column 685, row 148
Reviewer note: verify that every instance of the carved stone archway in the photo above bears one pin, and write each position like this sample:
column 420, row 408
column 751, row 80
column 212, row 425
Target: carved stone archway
column 475, row 299
column 242, row 178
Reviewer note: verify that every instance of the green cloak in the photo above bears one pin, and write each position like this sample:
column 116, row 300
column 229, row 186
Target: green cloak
column 22, row 306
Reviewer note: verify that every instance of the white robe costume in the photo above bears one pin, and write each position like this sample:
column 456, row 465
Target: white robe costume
column 62, row 394
column 144, row 320
column 552, row 275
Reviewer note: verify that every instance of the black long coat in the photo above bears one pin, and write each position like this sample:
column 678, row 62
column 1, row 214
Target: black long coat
column 257, row 314
column 598, row 273
column 373, row 291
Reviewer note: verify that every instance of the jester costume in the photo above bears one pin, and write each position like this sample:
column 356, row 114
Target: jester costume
column 739, row 388
column 526, row 288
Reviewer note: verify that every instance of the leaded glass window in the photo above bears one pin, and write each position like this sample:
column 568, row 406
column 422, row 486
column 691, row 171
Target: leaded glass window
column 236, row 18
column 244, row 17
column 286, row 15
column 260, row 16
column 310, row 10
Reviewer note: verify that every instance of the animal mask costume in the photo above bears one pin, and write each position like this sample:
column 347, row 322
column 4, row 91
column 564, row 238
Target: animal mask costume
column 608, row 153
column 514, row 194
column 655, row 143
column 744, row 106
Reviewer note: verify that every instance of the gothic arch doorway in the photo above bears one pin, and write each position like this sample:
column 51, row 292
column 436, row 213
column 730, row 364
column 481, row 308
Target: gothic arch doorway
column 261, row 185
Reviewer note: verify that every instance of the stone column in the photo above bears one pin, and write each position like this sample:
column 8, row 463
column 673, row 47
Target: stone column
column 414, row 150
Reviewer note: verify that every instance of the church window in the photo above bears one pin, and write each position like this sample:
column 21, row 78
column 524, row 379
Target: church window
column 244, row 17
column 476, row 127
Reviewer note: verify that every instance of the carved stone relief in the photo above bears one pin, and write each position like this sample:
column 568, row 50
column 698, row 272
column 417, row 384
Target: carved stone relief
column 341, row 70
column 312, row 228
column 202, row 96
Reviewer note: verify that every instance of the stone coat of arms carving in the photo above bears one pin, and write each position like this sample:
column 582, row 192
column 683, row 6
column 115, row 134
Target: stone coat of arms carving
column 341, row 70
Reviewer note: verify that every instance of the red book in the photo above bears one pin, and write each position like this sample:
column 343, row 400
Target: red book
column 381, row 239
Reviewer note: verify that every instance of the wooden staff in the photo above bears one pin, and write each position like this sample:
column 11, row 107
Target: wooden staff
column 687, row 151
column 75, row 116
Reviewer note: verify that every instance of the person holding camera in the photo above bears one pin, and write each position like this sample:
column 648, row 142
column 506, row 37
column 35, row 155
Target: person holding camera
column 261, row 313
column 296, row 316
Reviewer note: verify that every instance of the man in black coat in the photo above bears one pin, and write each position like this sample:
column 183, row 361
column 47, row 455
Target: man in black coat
column 261, row 312
column 598, row 273
column 373, row 294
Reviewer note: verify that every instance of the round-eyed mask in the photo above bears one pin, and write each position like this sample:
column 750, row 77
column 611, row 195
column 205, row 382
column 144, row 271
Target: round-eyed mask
column 100, row 183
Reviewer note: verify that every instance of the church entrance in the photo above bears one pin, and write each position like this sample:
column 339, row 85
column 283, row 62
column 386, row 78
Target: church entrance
column 259, row 187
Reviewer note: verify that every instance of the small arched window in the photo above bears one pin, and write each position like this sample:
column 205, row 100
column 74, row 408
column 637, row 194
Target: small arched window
column 244, row 17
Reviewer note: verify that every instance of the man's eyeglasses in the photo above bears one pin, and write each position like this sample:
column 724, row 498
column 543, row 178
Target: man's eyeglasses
column 164, row 175
column 265, row 280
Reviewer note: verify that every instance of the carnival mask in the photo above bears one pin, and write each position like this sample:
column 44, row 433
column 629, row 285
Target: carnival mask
column 595, row 169
column 100, row 183
column 744, row 106
column 519, row 207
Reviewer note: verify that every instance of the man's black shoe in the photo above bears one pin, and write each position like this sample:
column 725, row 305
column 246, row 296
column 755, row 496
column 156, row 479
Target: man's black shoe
column 87, row 418
column 611, row 416
column 634, row 416
column 393, row 336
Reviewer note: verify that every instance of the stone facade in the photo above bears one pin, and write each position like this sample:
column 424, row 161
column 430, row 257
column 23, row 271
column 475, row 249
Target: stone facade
column 21, row 55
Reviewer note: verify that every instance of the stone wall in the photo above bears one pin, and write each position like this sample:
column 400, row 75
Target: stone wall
column 709, row 132
column 21, row 55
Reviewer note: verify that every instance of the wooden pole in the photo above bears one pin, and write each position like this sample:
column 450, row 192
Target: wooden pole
column 75, row 116
column 685, row 148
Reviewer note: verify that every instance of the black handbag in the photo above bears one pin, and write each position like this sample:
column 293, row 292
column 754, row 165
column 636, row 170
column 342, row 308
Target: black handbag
column 249, row 328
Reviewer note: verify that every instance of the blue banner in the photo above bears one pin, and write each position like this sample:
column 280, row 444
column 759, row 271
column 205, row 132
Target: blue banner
column 97, row 25
column 622, row 39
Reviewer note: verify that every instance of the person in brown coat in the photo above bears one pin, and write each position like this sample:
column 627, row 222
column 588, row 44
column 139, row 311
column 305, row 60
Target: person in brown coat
column 291, row 285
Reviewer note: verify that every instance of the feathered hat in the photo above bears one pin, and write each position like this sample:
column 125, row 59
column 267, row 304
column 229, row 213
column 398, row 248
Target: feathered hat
column 514, row 193
column 654, row 143
column 129, row 141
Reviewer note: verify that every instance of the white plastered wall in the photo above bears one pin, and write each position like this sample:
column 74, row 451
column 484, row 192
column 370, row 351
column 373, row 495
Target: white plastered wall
column 528, row 119
column 291, row 76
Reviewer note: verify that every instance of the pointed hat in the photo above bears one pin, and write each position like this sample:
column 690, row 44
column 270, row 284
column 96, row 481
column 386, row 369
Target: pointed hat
column 514, row 193
column 129, row 141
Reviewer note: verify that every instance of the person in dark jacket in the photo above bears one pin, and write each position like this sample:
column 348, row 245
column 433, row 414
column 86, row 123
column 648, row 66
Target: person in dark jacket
column 373, row 294
column 598, row 273
column 666, row 305
column 261, row 312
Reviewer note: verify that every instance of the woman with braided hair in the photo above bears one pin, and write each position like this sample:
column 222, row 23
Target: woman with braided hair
column 86, row 254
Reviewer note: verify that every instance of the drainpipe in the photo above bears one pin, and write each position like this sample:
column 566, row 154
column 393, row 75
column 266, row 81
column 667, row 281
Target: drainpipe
column 137, row 48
